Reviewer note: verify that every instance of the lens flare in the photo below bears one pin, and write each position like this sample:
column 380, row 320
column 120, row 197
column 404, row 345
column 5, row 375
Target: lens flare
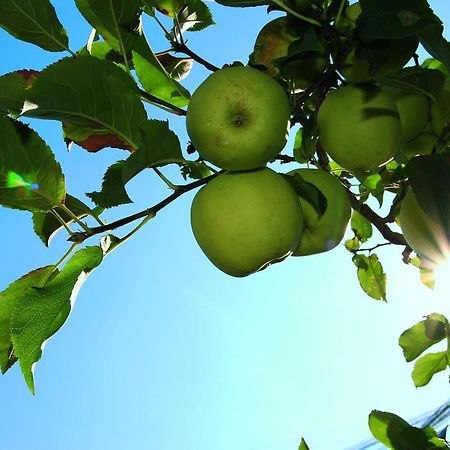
column 14, row 180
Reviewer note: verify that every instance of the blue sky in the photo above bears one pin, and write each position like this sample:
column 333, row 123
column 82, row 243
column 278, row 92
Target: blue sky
column 164, row 352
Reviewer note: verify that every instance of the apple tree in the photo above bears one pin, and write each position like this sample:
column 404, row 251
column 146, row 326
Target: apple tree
column 370, row 132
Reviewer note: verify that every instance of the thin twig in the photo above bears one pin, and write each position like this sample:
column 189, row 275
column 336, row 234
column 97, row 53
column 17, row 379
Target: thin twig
column 158, row 102
column 183, row 48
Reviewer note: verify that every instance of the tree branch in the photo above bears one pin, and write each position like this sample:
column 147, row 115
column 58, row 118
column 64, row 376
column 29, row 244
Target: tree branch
column 183, row 48
column 152, row 99
column 83, row 235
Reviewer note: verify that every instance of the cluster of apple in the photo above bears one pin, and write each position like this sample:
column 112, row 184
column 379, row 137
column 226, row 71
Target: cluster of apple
column 250, row 216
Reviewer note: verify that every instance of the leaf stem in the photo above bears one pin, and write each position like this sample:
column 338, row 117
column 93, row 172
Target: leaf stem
column 286, row 8
column 161, row 103
column 74, row 217
column 83, row 235
column 170, row 185
column 339, row 14
column 61, row 221
column 183, row 48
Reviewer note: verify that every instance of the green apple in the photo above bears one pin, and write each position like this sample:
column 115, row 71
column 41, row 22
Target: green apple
column 323, row 233
column 273, row 42
column 440, row 111
column 245, row 221
column 353, row 11
column 167, row 7
column 414, row 112
column 359, row 127
column 422, row 145
column 238, row 118
column 425, row 235
column 357, row 70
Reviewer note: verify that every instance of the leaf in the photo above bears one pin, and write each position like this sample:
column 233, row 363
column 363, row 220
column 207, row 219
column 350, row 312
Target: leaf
column 113, row 192
column 116, row 20
column 303, row 445
column 195, row 16
column 428, row 365
column 429, row 82
column 309, row 192
column 352, row 245
column 430, row 179
column 42, row 311
column 385, row 426
column 86, row 90
column 371, row 276
column 361, row 227
column 160, row 147
column 13, row 90
column 30, row 178
column 46, row 225
column 415, row 340
column 432, row 39
column 8, row 300
column 385, row 19
column 35, row 22
column 304, row 144
column 154, row 78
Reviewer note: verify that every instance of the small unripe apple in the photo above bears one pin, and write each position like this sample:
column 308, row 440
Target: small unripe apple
column 238, row 118
column 359, row 127
column 245, row 221
column 323, row 233
column 424, row 234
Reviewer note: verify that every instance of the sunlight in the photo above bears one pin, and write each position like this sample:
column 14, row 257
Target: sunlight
column 442, row 277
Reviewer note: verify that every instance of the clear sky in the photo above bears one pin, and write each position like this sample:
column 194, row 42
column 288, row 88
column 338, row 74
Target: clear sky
column 165, row 352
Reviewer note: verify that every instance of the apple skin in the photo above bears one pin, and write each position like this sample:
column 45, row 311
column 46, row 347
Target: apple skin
column 423, row 234
column 244, row 221
column 273, row 42
column 421, row 145
column 324, row 233
column 414, row 110
column 359, row 127
column 238, row 118
column 440, row 111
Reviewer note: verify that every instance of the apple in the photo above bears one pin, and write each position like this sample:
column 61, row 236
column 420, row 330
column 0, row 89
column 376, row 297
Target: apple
column 425, row 235
column 245, row 221
column 323, row 233
column 414, row 110
column 359, row 127
column 169, row 8
column 353, row 11
column 273, row 42
column 422, row 145
column 238, row 118
column 440, row 111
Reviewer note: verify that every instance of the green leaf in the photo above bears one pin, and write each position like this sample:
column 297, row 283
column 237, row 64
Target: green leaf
column 86, row 91
column 429, row 82
column 13, row 90
column 11, row 296
column 428, row 365
column 303, row 445
column 42, row 311
column 385, row 19
column 361, row 227
column 386, row 426
column 309, row 192
column 46, row 225
column 154, row 78
column 30, row 178
column 35, row 22
column 304, row 144
column 415, row 340
column 116, row 20
column 353, row 244
column 113, row 192
column 195, row 16
column 430, row 179
column 160, row 147
column 371, row 276
column 435, row 44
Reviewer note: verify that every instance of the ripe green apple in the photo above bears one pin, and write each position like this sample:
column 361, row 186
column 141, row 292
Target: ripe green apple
column 323, row 233
column 245, row 221
column 238, row 118
column 440, row 111
column 414, row 110
column 359, row 127
column 425, row 235
column 273, row 42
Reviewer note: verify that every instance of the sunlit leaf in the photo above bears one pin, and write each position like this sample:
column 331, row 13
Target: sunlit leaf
column 428, row 365
column 371, row 276
column 361, row 226
column 42, row 311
